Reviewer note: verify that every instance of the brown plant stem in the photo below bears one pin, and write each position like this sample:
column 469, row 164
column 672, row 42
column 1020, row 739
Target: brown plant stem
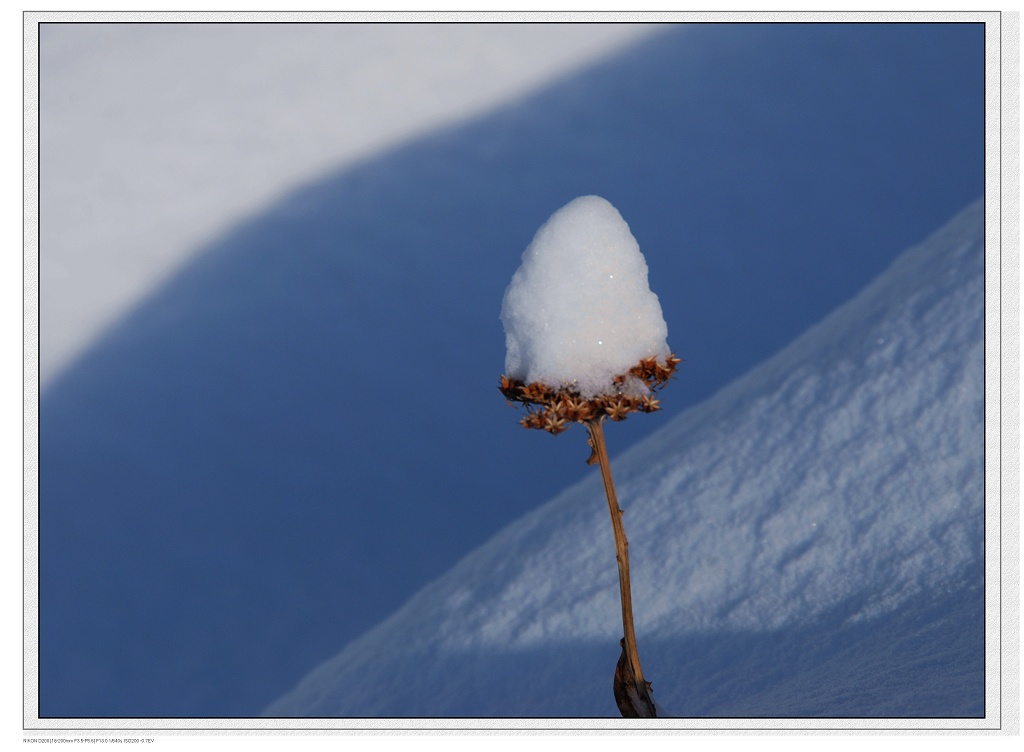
column 645, row 705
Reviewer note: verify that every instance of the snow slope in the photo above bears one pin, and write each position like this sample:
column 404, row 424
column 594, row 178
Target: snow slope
column 808, row 542
column 157, row 136
column 237, row 477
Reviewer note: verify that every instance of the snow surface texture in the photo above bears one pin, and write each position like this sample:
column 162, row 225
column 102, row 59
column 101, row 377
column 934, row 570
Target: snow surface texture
column 808, row 542
column 235, row 481
column 579, row 311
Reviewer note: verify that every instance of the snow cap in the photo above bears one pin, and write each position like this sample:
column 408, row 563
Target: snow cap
column 579, row 310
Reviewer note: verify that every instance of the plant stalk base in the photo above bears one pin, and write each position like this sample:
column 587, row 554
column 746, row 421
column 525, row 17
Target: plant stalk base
column 632, row 692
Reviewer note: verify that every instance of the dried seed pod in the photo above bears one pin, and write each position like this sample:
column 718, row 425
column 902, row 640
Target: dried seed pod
column 533, row 420
column 646, row 369
column 509, row 388
column 617, row 409
column 535, row 393
column 557, row 407
column 576, row 408
column 649, row 404
column 670, row 367
column 555, row 424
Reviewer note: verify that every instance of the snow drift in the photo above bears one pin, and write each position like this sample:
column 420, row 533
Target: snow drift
column 235, row 480
column 808, row 542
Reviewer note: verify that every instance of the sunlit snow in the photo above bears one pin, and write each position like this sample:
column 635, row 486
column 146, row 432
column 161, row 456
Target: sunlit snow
column 579, row 311
column 158, row 136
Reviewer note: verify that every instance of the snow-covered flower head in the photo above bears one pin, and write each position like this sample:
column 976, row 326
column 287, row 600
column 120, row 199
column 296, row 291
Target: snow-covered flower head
column 582, row 325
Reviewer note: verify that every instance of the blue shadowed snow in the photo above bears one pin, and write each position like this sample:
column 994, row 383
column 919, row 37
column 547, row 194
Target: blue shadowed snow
column 807, row 542
column 282, row 445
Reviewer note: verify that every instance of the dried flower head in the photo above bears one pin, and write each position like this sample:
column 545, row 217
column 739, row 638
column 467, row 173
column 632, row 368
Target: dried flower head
column 553, row 409
column 618, row 408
